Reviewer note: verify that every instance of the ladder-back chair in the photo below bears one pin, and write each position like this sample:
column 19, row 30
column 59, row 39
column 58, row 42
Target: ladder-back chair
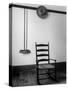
column 49, row 68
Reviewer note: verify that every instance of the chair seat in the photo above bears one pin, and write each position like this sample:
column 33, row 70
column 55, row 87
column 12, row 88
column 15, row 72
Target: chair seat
column 46, row 66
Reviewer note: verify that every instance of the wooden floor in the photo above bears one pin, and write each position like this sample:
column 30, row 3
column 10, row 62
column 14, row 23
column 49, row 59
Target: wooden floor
column 29, row 78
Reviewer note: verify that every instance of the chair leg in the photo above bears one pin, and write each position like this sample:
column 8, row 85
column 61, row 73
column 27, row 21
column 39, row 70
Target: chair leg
column 38, row 77
column 56, row 76
column 38, row 82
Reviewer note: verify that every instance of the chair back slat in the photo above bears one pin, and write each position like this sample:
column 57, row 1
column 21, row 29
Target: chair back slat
column 39, row 50
column 43, row 60
column 41, row 45
column 39, row 55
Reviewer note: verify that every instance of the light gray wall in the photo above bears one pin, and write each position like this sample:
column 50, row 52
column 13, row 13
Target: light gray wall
column 52, row 30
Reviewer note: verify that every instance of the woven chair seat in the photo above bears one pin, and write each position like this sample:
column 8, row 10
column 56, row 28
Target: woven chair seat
column 46, row 66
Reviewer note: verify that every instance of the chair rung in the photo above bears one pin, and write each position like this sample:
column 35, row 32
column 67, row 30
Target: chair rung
column 43, row 78
column 43, row 73
column 42, row 45
column 42, row 55
column 39, row 50
column 46, row 68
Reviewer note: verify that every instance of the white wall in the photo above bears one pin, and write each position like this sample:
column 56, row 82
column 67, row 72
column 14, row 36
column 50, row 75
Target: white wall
column 52, row 30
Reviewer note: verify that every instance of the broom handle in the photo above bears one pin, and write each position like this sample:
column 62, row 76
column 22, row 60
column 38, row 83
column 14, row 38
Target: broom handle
column 24, row 28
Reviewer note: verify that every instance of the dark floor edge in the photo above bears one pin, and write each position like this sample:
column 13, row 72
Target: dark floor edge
column 15, row 70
